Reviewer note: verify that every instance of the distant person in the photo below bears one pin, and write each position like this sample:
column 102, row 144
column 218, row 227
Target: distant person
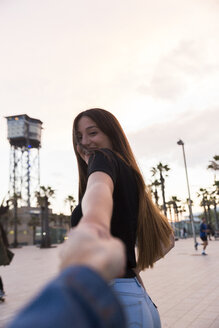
column 5, row 257
column 113, row 194
column 203, row 235
column 80, row 296
column 184, row 232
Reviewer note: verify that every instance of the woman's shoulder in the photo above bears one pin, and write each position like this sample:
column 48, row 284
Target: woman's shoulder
column 104, row 160
column 105, row 151
column 104, row 154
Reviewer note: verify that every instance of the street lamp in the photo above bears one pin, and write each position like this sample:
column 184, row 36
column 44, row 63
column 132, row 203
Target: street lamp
column 181, row 143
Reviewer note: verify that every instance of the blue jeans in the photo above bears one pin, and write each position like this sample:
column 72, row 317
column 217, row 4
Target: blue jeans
column 139, row 309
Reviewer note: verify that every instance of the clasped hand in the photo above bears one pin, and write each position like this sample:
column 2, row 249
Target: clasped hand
column 91, row 245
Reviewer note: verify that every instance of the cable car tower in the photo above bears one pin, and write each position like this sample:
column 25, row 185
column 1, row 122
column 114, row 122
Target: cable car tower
column 24, row 135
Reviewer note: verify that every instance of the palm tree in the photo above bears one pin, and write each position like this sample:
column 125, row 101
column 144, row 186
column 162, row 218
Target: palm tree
column 172, row 203
column 206, row 203
column 214, row 199
column 43, row 201
column 203, row 194
column 181, row 210
column 169, row 207
column 44, row 192
column 154, row 191
column 216, row 185
column 214, row 165
column 71, row 202
column 189, row 202
column 161, row 169
column 175, row 200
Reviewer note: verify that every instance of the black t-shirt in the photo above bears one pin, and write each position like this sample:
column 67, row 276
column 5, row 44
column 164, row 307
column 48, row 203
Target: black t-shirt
column 125, row 201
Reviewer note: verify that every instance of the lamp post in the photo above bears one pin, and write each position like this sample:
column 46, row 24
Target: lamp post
column 181, row 143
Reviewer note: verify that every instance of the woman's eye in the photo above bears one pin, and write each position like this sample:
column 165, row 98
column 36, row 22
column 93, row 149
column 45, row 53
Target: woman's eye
column 93, row 133
column 79, row 138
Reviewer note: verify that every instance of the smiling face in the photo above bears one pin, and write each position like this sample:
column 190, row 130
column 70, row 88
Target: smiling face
column 90, row 137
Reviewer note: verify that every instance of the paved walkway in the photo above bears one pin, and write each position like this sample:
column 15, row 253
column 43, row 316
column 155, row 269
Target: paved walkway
column 184, row 285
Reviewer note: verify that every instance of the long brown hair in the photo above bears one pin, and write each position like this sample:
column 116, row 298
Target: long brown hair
column 153, row 231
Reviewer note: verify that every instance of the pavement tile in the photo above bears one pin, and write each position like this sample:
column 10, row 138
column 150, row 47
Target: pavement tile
column 199, row 309
column 183, row 307
column 201, row 323
column 176, row 314
column 206, row 315
column 182, row 323
column 184, row 285
column 168, row 322
column 215, row 324
column 190, row 316
column 214, row 307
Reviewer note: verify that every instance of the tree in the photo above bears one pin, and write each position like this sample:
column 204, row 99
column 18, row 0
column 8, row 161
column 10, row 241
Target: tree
column 216, row 185
column 71, row 202
column 175, row 202
column 47, row 192
column 169, row 207
column 43, row 196
column 214, row 199
column 214, row 165
column 161, row 170
column 153, row 188
column 172, row 203
column 205, row 203
column 181, row 209
column 176, row 207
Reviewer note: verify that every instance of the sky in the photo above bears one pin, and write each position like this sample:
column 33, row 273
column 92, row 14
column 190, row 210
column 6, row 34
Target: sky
column 153, row 64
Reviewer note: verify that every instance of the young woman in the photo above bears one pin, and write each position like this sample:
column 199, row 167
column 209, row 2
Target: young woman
column 113, row 197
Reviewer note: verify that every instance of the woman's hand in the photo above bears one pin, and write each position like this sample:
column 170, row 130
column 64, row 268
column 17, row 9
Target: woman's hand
column 91, row 245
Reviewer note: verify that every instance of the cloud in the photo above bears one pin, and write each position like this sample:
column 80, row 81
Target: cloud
column 185, row 64
column 167, row 87
column 198, row 130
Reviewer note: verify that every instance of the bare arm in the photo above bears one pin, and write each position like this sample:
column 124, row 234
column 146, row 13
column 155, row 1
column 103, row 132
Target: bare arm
column 97, row 203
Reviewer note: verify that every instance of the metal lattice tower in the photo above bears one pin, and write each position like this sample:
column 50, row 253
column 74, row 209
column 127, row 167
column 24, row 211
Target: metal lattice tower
column 24, row 135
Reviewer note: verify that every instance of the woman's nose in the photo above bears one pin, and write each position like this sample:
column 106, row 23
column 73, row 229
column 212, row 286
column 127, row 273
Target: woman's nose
column 85, row 140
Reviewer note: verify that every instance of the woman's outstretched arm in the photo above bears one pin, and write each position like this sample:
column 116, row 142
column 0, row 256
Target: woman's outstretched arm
column 97, row 203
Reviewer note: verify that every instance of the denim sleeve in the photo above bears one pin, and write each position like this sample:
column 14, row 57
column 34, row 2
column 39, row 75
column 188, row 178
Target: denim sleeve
column 78, row 297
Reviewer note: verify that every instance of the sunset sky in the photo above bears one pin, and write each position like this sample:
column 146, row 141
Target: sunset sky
column 153, row 64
